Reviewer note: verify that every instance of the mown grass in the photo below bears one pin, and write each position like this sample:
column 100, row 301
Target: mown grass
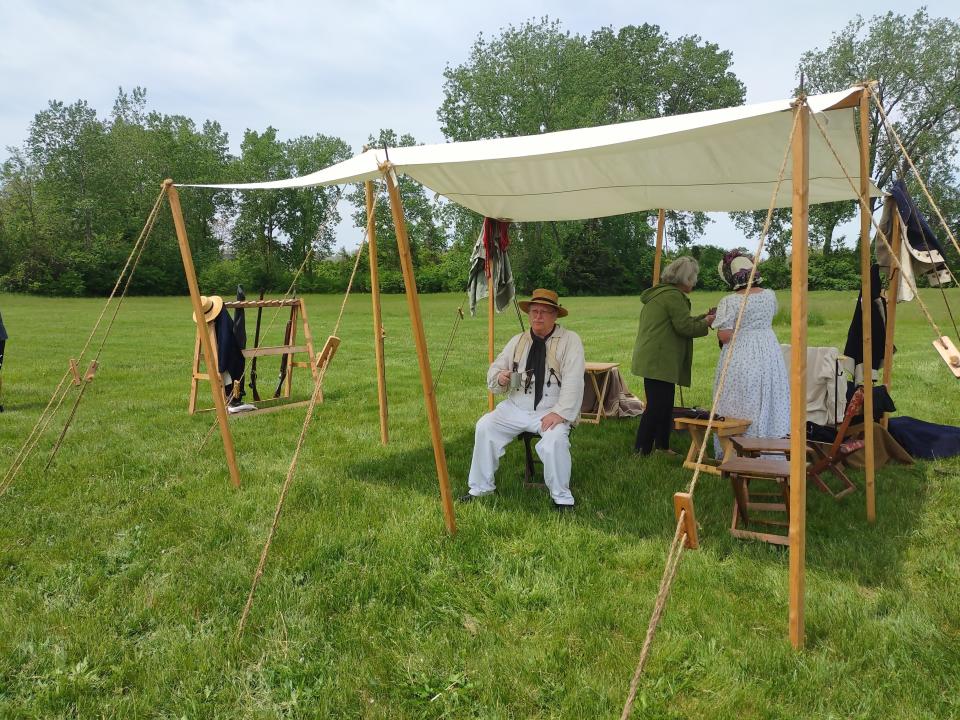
column 123, row 570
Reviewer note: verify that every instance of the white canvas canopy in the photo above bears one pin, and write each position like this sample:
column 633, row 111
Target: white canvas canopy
column 717, row 160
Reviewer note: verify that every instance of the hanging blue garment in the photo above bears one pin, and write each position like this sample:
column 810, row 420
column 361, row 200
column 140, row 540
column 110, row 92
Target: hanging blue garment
column 925, row 440
column 229, row 357
column 919, row 233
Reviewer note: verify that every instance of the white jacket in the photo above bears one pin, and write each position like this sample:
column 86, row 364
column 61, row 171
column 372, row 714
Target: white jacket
column 570, row 357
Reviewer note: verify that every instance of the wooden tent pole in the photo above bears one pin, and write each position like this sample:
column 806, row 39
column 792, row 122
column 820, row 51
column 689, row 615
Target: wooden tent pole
column 490, row 350
column 798, row 374
column 866, row 306
column 377, row 317
column 426, row 377
column 658, row 256
column 893, row 294
column 216, row 383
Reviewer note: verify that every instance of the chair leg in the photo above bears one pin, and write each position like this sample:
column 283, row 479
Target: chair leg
column 848, row 486
column 741, row 497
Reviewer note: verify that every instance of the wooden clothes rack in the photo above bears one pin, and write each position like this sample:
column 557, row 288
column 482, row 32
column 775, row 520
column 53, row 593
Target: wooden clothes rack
column 298, row 317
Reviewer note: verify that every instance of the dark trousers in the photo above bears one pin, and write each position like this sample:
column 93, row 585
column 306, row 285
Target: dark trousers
column 657, row 419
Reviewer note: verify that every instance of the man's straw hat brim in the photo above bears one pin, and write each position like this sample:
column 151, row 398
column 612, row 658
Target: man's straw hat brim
column 542, row 296
column 211, row 307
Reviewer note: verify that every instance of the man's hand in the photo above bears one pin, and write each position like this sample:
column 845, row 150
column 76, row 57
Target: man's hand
column 550, row 420
column 503, row 378
column 710, row 317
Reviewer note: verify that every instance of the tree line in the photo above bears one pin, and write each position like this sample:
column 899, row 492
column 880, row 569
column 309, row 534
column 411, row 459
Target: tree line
column 74, row 195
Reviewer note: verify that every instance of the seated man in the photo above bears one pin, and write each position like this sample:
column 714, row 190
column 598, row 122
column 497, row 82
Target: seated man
column 542, row 373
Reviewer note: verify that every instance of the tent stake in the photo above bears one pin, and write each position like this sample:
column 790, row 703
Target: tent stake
column 866, row 306
column 798, row 372
column 658, row 255
column 426, row 377
column 377, row 317
column 216, row 382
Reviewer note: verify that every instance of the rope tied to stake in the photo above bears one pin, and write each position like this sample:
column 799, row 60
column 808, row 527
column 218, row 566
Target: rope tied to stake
column 63, row 387
column 284, row 490
column 678, row 543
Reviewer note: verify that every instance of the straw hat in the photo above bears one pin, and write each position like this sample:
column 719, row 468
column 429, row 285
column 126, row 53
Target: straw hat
column 211, row 307
column 542, row 296
column 735, row 268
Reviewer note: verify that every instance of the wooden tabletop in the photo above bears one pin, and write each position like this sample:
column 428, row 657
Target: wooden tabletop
column 753, row 444
column 597, row 367
column 762, row 467
column 725, row 423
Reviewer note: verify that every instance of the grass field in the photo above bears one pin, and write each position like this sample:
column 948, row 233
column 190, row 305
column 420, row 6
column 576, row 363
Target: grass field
column 123, row 569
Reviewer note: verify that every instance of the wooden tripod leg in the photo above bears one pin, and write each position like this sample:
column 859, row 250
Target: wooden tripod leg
column 192, row 406
column 420, row 340
column 209, row 357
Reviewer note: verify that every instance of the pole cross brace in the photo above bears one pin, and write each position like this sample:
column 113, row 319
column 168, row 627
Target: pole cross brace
column 683, row 502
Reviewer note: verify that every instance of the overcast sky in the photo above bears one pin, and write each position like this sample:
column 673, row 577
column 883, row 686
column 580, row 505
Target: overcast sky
column 349, row 68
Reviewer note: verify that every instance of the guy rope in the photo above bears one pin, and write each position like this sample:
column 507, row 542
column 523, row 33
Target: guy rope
column 681, row 536
column 63, row 387
column 940, row 340
column 318, row 385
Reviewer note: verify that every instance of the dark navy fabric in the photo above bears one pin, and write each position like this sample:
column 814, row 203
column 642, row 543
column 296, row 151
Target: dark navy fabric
column 919, row 234
column 229, row 357
column 878, row 321
column 925, row 440
column 3, row 330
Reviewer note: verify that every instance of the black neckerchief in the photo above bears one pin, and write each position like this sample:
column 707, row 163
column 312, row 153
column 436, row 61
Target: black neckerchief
column 537, row 363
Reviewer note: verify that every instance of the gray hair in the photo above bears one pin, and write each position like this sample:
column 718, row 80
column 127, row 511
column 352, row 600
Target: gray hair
column 682, row 271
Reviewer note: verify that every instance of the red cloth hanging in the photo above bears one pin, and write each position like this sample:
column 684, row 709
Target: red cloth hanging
column 494, row 231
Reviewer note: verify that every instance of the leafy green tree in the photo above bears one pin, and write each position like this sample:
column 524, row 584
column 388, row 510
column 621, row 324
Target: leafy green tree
column 539, row 78
column 915, row 63
column 256, row 231
column 423, row 216
column 310, row 214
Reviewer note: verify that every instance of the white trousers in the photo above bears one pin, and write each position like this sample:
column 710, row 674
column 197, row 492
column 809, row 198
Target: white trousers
column 498, row 428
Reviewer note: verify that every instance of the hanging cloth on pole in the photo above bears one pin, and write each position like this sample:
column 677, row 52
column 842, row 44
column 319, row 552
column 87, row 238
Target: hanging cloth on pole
column 490, row 266
column 921, row 252
column 878, row 324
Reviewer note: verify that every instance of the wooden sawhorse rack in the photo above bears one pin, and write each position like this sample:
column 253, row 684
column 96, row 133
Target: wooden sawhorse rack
column 298, row 315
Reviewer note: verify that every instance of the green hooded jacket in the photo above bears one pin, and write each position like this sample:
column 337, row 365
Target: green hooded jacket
column 664, row 347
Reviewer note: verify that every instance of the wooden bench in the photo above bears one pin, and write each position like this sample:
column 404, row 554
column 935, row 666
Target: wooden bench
column 744, row 470
column 724, row 429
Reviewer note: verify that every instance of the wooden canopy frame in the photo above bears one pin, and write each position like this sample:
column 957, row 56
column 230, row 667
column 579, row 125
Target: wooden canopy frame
column 413, row 304
column 798, row 334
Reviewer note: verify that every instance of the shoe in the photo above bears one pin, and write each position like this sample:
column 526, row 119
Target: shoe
column 562, row 508
column 668, row 452
column 467, row 498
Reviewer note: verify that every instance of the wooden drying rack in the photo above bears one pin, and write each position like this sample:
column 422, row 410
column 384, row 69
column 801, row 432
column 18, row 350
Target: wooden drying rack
column 298, row 316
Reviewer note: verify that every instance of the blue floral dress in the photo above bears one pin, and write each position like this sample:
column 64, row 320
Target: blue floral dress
column 756, row 386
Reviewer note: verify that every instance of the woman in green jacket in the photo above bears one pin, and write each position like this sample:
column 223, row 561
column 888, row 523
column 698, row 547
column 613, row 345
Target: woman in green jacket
column 663, row 353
